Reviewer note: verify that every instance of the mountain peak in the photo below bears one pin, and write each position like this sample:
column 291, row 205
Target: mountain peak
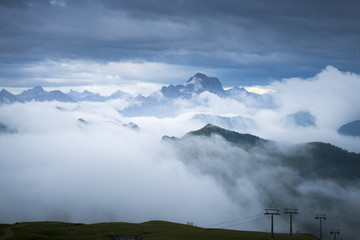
column 37, row 93
column 196, row 84
column 73, row 91
column 7, row 97
column 38, row 89
column 120, row 94
column 200, row 83
column 87, row 92
column 200, row 75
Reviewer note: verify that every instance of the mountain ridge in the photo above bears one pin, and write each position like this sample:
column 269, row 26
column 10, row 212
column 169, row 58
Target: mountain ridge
column 195, row 85
column 310, row 159
column 38, row 94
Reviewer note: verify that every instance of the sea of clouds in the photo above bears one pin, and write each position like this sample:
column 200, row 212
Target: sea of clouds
column 57, row 167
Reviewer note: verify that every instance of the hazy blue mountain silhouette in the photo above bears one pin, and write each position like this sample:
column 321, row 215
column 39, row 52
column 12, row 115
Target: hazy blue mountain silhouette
column 350, row 129
column 302, row 119
column 86, row 96
column 40, row 95
column 236, row 122
column 196, row 84
column 7, row 97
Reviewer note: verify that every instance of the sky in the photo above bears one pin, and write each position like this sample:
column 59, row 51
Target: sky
column 147, row 44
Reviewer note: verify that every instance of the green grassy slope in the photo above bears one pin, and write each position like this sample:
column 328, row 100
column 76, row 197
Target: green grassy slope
column 2, row 226
column 152, row 230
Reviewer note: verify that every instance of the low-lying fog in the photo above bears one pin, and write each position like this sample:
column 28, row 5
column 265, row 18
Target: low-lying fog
column 83, row 162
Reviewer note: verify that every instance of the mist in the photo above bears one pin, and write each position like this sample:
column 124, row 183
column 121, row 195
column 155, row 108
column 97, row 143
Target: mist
column 81, row 162
column 102, row 171
column 255, row 180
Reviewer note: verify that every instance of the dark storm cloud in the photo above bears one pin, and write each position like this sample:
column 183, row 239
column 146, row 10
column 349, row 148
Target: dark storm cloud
column 250, row 40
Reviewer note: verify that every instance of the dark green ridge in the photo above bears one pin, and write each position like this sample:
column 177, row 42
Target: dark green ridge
column 310, row 160
column 230, row 136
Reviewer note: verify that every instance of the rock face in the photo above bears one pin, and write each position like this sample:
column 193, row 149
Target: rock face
column 197, row 84
column 350, row 129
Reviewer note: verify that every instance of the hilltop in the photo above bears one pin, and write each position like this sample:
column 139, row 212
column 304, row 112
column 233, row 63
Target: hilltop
column 158, row 230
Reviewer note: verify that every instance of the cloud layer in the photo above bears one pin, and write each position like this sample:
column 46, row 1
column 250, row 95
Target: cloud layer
column 59, row 168
column 247, row 43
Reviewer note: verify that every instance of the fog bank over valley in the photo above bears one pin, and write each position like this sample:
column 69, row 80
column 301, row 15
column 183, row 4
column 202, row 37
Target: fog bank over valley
column 106, row 160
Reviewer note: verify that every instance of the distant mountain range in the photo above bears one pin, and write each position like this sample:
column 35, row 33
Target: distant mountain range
column 163, row 103
column 236, row 122
column 38, row 94
column 195, row 85
column 201, row 83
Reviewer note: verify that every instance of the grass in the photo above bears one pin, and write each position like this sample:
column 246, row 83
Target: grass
column 2, row 226
column 152, row 230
